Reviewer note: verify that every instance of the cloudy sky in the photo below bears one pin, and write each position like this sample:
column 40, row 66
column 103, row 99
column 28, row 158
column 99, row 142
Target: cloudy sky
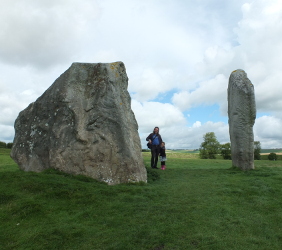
column 178, row 56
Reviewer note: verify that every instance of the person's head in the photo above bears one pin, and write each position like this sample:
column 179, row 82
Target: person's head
column 156, row 130
column 163, row 144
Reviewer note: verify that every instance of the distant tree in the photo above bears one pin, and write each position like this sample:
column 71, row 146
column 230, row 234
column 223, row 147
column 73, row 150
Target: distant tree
column 3, row 144
column 272, row 157
column 225, row 151
column 145, row 150
column 209, row 147
column 9, row 145
column 257, row 149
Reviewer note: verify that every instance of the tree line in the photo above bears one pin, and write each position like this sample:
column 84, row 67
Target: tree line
column 6, row 145
column 210, row 147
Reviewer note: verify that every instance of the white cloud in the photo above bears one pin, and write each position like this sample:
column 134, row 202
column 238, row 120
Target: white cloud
column 152, row 114
column 197, row 124
column 6, row 133
column 173, row 127
column 164, row 49
column 208, row 93
column 20, row 101
column 267, row 130
column 151, row 84
column 258, row 35
column 191, row 137
column 20, row 87
column 43, row 33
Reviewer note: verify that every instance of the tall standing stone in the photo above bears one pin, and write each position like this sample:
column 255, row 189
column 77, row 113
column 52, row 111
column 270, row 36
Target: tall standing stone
column 242, row 115
column 83, row 124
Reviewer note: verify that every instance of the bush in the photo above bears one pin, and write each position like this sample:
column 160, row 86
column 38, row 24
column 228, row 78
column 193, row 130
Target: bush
column 272, row 157
column 3, row 144
column 257, row 149
column 225, row 151
column 9, row 145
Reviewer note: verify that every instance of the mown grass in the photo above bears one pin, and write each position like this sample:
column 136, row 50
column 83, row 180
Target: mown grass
column 193, row 204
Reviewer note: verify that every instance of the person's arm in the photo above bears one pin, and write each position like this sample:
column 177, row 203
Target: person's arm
column 149, row 137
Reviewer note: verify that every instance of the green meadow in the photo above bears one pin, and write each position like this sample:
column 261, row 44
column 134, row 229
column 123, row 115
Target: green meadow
column 193, row 204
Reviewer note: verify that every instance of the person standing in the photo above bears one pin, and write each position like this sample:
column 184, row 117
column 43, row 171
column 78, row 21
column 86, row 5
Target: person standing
column 155, row 140
column 162, row 156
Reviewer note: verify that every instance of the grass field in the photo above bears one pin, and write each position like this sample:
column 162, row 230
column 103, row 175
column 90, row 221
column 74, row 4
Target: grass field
column 193, row 204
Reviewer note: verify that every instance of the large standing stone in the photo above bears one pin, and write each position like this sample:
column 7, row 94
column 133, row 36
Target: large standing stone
column 83, row 124
column 242, row 115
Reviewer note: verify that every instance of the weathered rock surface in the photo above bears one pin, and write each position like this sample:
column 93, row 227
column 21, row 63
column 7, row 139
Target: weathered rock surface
column 242, row 115
column 83, row 124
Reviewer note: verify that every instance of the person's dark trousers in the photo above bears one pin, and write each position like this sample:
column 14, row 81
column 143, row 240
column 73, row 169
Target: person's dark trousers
column 154, row 155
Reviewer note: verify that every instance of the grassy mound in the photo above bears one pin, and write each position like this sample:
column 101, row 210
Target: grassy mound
column 193, row 204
